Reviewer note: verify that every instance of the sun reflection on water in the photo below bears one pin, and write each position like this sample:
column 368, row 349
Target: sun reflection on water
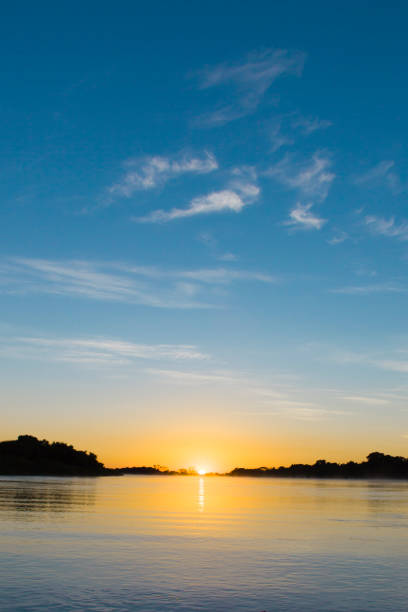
column 201, row 494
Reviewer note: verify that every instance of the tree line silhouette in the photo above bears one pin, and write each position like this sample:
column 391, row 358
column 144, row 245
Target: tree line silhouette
column 377, row 465
column 29, row 456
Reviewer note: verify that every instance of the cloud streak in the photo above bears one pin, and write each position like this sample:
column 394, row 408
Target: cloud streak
column 388, row 363
column 278, row 400
column 153, row 171
column 380, row 226
column 234, row 199
column 308, row 125
column 183, row 377
column 97, row 351
column 247, row 81
column 369, row 289
column 366, row 400
column 339, row 238
column 312, row 178
column 114, row 281
column 302, row 217
column 382, row 173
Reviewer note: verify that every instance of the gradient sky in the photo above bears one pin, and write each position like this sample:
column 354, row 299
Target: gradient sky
column 204, row 233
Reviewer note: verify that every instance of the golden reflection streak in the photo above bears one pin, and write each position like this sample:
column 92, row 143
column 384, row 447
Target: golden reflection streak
column 201, row 494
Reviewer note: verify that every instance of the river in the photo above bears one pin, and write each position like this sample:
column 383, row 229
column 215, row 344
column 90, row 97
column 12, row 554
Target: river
column 161, row 543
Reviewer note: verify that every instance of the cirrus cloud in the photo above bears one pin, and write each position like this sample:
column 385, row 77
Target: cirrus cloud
column 226, row 200
column 152, row 171
column 387, row 227
column 301, row 217
column 118, row 282
column 249, row 80
column 312, row 177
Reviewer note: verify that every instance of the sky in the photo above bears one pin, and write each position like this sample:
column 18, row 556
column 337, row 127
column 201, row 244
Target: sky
column 204, row 230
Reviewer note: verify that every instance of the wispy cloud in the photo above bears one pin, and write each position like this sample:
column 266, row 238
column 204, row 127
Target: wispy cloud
column 249, row 80
column 152, row 171
column 377, row 172
column 228, row 257
column 285, row 128
column 308, row 125
column 281, row 398
column 390, row 362
column 370, row 289
column 312, row 177
column 297, row 411
column 234, row 199
column 362, row 269
column 387, row 227
column 188, row 377
column 217, row 201
column 97, row 351
column 276, row 403
column 207, row 239
column 220, row 275
column 382, row 172
column 362, row 399
column 80, row 278
column 302, row 217
column 281, row 395
column 312, row 413
column 338, row 238
column 278, row 138
column 393, row 365
column 224, row 275
column 146, row 285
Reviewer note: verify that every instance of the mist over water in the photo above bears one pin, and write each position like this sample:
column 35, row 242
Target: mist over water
column 196, row 543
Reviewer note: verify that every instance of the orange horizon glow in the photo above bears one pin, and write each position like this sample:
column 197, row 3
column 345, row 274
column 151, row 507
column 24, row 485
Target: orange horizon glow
column 214, row 436
column 222, row 454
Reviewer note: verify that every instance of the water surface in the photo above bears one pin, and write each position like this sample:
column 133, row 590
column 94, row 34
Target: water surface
column 187, row 543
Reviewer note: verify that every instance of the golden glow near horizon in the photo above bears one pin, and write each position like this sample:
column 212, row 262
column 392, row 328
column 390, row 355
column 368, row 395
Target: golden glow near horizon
column 218, row 435
column 239, row 446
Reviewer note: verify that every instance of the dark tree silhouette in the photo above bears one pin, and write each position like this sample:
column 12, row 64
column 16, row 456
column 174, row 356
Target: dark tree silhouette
column 29, row 456
column 377, row 465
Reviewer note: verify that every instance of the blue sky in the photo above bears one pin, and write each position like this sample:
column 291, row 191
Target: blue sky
column 204, row 229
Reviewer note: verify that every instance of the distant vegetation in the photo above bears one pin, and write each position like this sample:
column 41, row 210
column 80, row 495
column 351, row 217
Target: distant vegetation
column 29, row 456
column 156, row 469
column 377, row 465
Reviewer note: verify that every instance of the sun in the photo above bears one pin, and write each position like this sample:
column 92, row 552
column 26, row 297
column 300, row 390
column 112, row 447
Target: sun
column 201, row 472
